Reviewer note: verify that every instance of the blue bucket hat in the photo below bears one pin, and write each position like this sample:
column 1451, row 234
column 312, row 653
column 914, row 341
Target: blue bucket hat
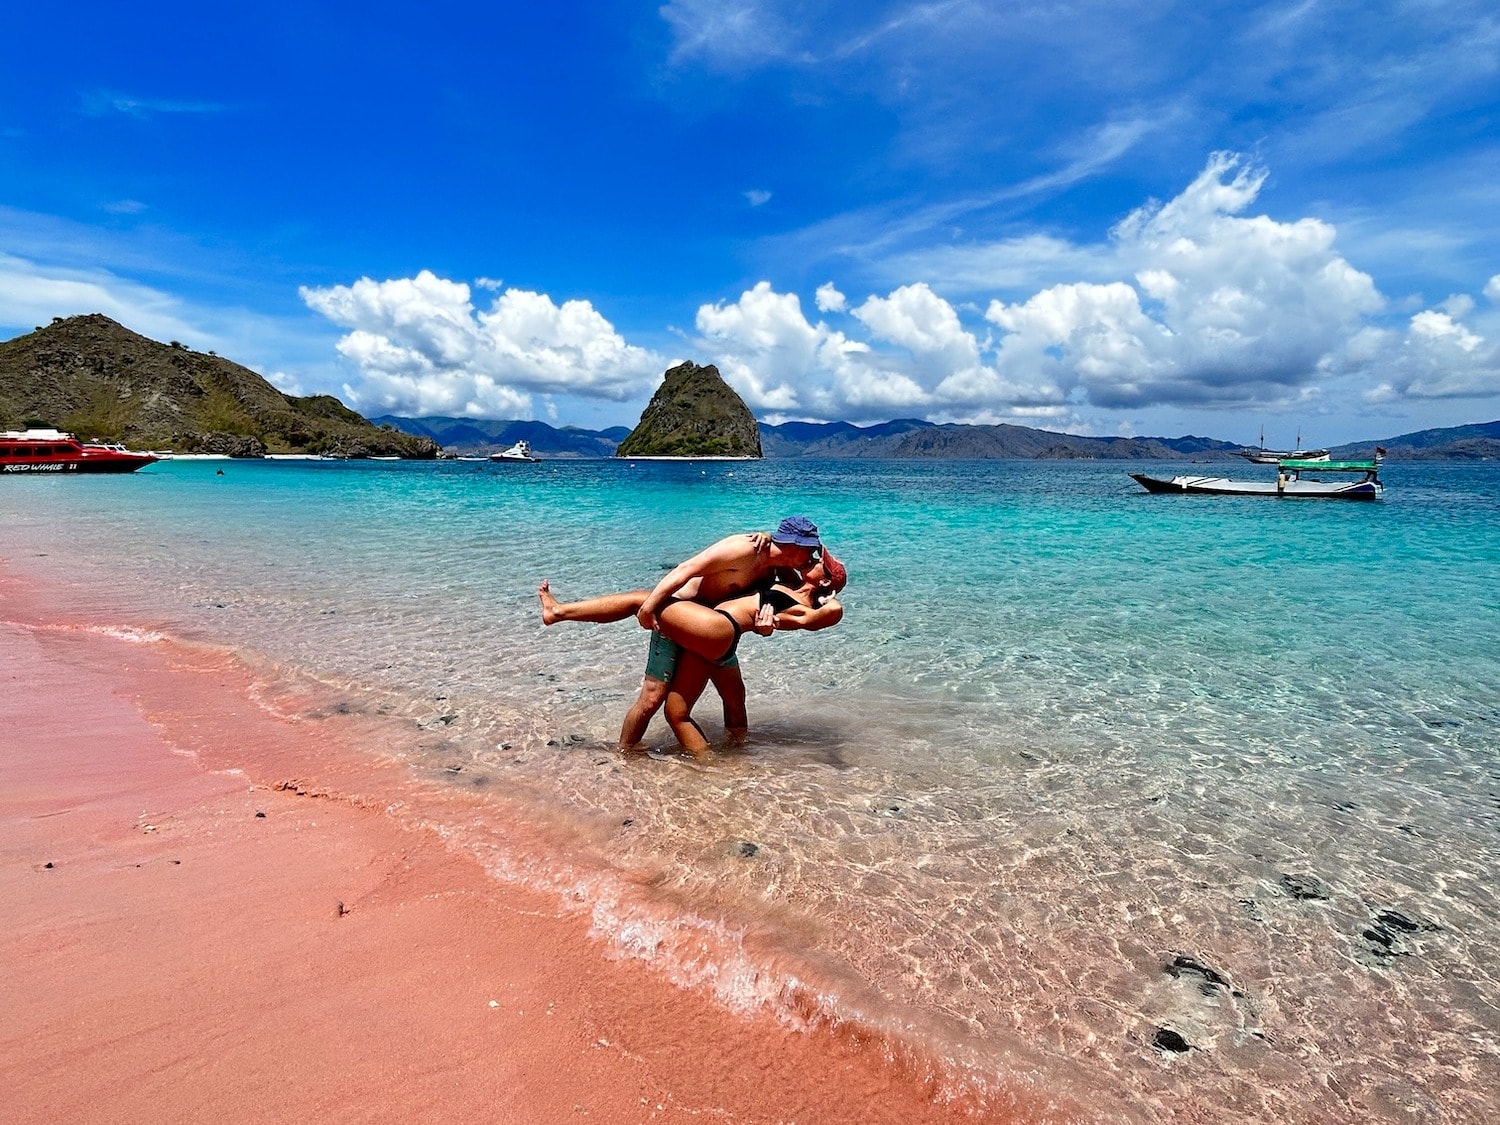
column 797, row 530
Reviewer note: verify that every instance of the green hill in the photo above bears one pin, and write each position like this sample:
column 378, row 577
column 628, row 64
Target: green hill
column 1479, row 441
column 97, row 379
column 694, row 413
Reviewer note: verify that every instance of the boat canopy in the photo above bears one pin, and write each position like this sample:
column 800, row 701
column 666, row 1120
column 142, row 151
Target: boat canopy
column 1331, row 466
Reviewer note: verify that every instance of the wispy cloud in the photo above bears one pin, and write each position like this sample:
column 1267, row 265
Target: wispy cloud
column 32, row 293
column 893, row 241
column 98, row 103
column 731, row 34
column 162, row 285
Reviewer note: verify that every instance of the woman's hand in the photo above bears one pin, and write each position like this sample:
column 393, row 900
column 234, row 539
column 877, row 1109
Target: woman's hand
column 765, row 621
column 760, row 540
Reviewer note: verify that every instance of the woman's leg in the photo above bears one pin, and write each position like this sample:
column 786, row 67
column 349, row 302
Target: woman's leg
column 698, row 629
column 688, row 682
column 605, row 608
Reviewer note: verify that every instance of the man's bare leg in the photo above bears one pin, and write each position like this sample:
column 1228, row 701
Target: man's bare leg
column 652, row 695
column 601, row 610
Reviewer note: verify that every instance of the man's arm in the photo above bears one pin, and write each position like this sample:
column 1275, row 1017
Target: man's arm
column 727, row 552
column 830, row 613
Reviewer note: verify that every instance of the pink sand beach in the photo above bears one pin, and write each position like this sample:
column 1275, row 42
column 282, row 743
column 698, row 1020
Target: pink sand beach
column 210, row 914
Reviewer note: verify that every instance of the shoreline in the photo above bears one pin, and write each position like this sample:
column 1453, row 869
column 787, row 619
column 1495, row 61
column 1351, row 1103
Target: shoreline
column 185, row 956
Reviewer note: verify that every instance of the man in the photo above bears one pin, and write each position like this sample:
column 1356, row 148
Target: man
column 818, row 607
column 735, row 564
column 728, row 568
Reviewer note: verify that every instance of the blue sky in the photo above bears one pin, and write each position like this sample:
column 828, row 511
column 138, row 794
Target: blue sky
column 1101, row 217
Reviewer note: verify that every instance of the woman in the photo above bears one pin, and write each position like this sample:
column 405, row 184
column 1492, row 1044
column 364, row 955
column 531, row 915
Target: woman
column 813, row 605
column 710, row 632
column 710, row 635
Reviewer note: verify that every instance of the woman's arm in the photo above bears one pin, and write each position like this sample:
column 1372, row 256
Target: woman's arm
column 831, row 612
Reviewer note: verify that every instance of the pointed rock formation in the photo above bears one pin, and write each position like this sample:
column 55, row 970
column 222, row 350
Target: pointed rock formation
column 694, row 413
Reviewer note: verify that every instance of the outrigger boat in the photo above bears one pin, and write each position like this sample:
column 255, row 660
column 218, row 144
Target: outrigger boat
column 521, row 451
column 52, row 451
column 1289, row 482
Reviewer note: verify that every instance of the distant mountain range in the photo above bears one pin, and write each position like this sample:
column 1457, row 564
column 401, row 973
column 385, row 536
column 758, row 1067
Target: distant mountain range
column 1478, row 442
column 475, row 436
column 93, row 376
column 916, row 439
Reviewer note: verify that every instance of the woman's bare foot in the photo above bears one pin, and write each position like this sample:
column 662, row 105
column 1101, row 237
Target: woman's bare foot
column 549, row 604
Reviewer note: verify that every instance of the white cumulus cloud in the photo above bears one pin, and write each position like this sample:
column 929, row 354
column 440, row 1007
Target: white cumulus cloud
column 1224, row 310
column 829, row 299
column 1194, row 303
column 421, row 346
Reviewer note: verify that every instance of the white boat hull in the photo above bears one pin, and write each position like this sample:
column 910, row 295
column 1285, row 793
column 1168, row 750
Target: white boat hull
column 1290, row 489
column 521, row 451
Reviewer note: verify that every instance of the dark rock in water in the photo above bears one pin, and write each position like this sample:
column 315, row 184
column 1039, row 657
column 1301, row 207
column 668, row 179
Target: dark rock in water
column 1395, row 920
column 1384, row 937
column 1382, row 943
column 1168, row 1040
column 1182, row 966
column 694, row 413
column 747, row 849
column 260, row 813
column 1440, row 722
column 1305, row 887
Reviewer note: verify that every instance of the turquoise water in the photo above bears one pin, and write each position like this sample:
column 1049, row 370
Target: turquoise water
column 1080, row 764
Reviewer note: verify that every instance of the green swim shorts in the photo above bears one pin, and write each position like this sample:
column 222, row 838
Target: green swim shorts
column 661, row 659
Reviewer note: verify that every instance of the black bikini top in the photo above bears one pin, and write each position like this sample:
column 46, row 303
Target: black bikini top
column 778, row 599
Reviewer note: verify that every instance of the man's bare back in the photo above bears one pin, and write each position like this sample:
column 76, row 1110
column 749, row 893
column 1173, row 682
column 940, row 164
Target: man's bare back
column 724, row 570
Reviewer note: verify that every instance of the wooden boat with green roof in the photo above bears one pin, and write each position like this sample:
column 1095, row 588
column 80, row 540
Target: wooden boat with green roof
column 1291, row 483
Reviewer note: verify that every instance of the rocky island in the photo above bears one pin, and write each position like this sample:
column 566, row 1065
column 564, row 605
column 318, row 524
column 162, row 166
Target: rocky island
column 694, row 413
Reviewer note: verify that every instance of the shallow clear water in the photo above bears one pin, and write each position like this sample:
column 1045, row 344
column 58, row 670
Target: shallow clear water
column 1080, row 764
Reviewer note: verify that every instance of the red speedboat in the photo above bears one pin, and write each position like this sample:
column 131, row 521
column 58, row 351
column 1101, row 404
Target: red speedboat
column 51, row 451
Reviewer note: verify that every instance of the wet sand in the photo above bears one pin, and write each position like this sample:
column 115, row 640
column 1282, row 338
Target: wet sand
column 211, row 914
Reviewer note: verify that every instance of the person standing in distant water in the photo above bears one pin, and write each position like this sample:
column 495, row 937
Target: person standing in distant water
column 722, row 571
